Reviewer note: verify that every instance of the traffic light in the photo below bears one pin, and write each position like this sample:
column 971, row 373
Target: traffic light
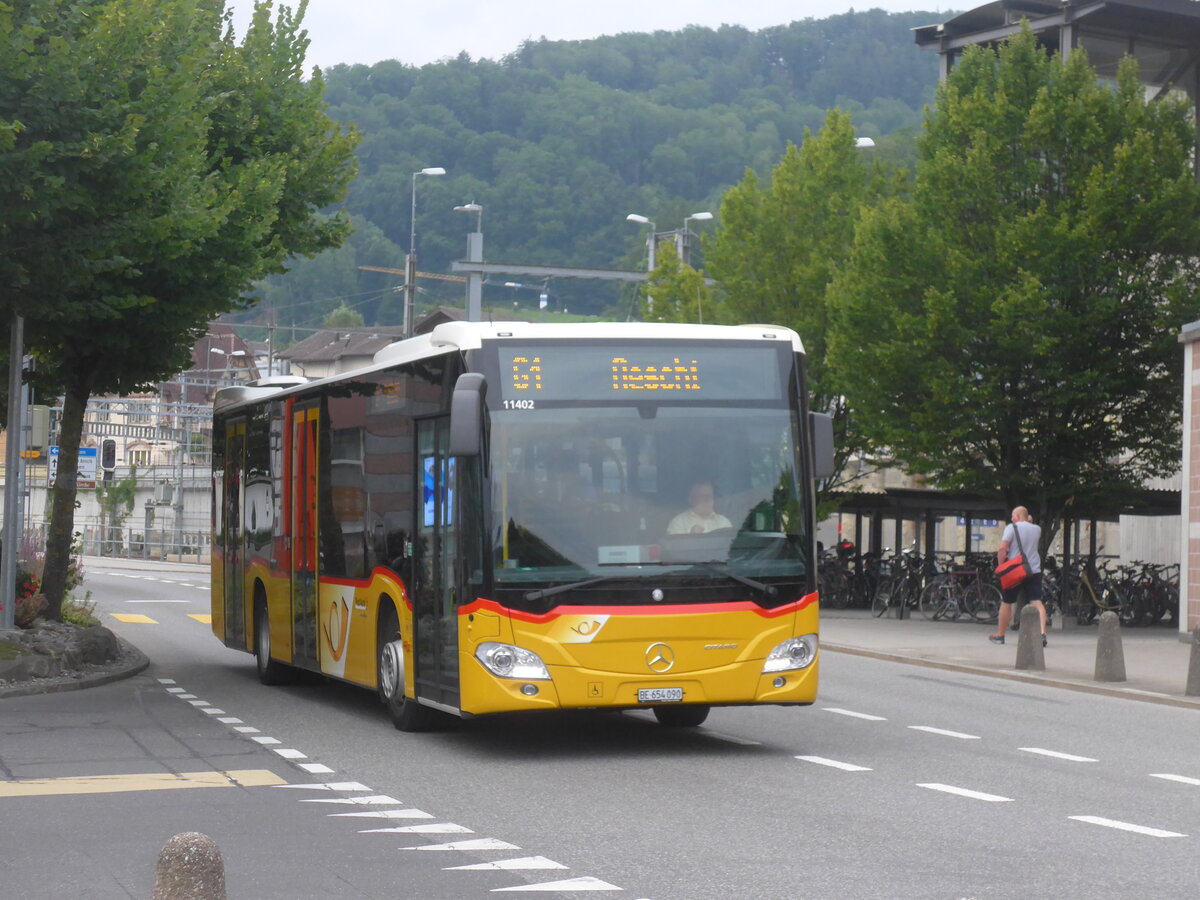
column 108, row 455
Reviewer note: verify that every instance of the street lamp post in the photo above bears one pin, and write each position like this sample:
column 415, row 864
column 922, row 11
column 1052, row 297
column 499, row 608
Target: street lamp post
column 683, row 237
column 642, row 220
column 474, row 254
column 410, row 283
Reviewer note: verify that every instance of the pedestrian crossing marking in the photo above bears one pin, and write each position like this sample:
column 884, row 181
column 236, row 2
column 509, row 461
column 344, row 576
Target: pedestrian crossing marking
column 150, row 781
column 133, row 619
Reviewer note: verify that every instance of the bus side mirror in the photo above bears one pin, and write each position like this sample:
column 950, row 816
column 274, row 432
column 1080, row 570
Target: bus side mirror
column 466, row 415
column 822, row 445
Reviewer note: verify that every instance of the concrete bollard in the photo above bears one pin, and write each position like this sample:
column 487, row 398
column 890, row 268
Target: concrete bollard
column 1193, row 678
column 1110, row 657
column 1030, row 654
column 190, row 868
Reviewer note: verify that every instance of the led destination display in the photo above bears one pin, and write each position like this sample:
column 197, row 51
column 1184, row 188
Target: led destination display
column 556, row 373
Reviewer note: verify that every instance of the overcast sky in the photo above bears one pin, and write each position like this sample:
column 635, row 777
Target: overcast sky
column 423, row 31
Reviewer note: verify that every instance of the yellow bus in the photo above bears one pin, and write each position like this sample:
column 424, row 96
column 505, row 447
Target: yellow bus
column 500, row 517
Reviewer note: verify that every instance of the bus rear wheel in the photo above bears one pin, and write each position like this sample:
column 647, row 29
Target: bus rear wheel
column 405, row 712
column 270, row 671
column 680, row 716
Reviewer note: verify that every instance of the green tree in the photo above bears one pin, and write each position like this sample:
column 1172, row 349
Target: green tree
column 675, row 292
column 115, row 500
column 1011, row 328
column 780, row 244
column 343, row 317
column 175, row 167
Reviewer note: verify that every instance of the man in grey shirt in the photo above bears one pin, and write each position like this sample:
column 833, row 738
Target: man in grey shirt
column 1030, row 536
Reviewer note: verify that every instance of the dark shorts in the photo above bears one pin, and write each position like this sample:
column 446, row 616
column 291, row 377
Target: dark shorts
column 1031, row 587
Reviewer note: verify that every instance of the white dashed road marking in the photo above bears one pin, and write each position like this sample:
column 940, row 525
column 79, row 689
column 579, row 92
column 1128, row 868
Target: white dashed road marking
column 583, row 883
column 1182, row 779
column 834, row 764
column 1126, row 826
column 731, row 738
column 964, row 792
column 954, row 734
column 853, row 714
column 1070, row 757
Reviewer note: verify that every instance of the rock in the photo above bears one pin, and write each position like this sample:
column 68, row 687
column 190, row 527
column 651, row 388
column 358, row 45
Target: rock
column 56, row 656
column 96, row 645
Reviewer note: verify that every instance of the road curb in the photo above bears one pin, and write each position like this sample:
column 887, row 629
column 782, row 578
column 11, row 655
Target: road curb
column 1081, row 686
column 132, row 662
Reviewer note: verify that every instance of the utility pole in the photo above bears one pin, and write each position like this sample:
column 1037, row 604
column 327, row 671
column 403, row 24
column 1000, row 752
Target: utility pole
column 12, row 461
column 474, row 254
column 182, row 434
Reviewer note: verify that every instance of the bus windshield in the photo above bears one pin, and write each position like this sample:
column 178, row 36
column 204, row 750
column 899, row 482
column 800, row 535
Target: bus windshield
column 673, row 493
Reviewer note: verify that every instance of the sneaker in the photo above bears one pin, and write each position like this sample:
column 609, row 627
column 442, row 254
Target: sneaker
column 996, row 638
column 1043, row 640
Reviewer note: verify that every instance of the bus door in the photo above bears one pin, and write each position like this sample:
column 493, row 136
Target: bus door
column 435, row 619
column 302, row 528
column 233, row 532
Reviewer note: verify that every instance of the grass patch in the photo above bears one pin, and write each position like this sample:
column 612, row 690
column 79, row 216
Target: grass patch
column 80, row 612
column 9, row 650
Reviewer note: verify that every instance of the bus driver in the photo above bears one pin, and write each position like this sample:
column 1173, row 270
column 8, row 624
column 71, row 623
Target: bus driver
column 700, row 517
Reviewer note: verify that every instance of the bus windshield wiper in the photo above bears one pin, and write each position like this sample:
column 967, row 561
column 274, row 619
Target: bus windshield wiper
column 563, row 588
column 767, row 590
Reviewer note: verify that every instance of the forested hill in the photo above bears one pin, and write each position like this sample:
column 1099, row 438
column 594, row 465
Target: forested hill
column 562, row 139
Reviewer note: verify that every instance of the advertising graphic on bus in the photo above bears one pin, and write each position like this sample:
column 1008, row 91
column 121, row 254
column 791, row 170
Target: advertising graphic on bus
column 502, row 517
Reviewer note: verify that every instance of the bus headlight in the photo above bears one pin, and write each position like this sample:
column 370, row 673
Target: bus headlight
column 508, row 661
column 794, row 653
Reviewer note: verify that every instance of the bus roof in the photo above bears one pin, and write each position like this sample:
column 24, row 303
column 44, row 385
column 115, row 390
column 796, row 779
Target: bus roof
column 471, row 335
column 451, row 336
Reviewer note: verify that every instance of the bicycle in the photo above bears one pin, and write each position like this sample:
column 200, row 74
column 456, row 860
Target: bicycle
column 1093, row 591
column 900, row 589
column 834, row 583
column 959, row 592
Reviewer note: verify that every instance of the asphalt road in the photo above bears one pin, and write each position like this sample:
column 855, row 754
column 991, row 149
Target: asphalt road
column 901, row 782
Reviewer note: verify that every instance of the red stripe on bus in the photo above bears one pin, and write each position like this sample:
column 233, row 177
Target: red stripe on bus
column 483, row 603
column 379, row 573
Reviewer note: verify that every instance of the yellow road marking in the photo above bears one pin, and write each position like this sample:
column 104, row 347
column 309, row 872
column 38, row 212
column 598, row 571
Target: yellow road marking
column 133, row 618
column 203, row 618
column 151, row 781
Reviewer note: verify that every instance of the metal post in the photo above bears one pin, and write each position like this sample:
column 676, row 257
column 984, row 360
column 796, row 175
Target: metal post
column 182, row 434
column 410, row 266
column 475, row 279
column 12, row 459
column 475, row 255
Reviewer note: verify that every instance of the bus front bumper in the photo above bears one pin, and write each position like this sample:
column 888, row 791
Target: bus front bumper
column 742, row 683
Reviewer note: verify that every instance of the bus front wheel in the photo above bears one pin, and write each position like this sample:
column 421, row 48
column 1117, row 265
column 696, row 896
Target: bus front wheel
column 681, row 716
column 405, row 712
